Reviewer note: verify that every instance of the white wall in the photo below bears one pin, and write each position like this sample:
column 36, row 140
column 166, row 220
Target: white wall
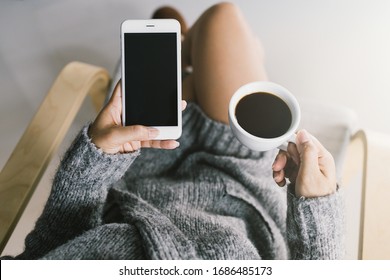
column 333, row 51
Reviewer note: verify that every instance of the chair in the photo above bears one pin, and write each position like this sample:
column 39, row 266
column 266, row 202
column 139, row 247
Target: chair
column 365, row 168
column 362, row 159
column 31, row 156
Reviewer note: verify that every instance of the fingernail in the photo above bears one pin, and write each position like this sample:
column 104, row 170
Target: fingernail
column 184, row 104
column 153, row 132
column 176, row 144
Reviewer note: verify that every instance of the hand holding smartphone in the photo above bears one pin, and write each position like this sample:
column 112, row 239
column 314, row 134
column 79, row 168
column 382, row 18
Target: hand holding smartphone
column 151, row 75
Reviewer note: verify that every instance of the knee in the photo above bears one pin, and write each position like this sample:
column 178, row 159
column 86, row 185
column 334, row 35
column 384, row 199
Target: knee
column 225, row 7
column 224, row 11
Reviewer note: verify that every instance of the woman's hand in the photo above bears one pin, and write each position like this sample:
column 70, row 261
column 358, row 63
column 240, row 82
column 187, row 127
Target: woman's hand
column 108, row 134
column 308, row 165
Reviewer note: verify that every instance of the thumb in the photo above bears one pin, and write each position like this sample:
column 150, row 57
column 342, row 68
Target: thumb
column 308, row 152
column 116, row 97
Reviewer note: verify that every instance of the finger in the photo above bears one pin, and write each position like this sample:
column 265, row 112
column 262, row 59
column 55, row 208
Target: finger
column 291, row 171
column 126, row 148
column 183, row 105
column 116, row 97
column 157, row 144
column 322, row 151
column 131, row 146
column 169, row 144
column 279, row 177
column 124, row 134
column 136, row 145
column 292, row 150
column 112, row 111
column 280, row 161
column 308, row 153
column 325, row 159
column 317, row 143
column 282, row 183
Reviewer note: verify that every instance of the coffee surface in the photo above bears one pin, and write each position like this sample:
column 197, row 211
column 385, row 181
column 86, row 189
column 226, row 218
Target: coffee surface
column 263, row 115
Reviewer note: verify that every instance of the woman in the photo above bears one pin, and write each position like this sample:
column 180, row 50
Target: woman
column 119, row 194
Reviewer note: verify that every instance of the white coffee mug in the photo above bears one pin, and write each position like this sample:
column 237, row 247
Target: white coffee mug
column 265, row 144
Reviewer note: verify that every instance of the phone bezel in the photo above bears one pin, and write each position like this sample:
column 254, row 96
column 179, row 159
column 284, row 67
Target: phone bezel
column 155, row 26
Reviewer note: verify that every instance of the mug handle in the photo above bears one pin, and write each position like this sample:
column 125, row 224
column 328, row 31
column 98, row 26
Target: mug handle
column 285, row 144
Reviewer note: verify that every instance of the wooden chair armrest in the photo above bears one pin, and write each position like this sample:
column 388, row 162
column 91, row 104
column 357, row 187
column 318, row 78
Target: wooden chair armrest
column 369, row 157
column 32, row 154
column 376, row 219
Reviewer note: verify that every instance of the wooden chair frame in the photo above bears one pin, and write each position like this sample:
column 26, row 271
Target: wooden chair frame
column 27, row 163
column 368, row 159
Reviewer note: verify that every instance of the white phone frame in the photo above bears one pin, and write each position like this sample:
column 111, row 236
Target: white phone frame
column 156, row 26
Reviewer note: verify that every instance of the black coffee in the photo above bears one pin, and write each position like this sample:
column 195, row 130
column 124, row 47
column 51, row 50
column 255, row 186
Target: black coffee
column 263, row 115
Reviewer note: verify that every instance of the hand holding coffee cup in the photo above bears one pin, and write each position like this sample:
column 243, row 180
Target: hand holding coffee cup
column 308, row 165
column 264, row 116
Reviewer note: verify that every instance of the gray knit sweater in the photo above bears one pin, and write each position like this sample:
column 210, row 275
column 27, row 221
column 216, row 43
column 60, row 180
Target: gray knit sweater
column 211, row 198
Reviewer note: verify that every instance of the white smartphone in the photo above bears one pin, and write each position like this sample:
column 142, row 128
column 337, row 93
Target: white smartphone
column 151, row 75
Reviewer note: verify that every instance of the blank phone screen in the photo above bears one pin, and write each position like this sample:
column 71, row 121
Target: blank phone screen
column 150, row 61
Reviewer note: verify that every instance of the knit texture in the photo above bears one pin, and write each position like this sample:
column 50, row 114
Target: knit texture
column 212, row 198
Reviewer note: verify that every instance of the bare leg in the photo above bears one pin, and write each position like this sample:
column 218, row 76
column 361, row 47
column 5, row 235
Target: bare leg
column 224, row 55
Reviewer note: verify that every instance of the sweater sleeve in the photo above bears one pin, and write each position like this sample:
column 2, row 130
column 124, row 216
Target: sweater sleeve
column 78, row 194
column 315, row 226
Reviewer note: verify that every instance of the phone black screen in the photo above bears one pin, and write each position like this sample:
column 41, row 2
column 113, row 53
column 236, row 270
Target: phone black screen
column 150, row 61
